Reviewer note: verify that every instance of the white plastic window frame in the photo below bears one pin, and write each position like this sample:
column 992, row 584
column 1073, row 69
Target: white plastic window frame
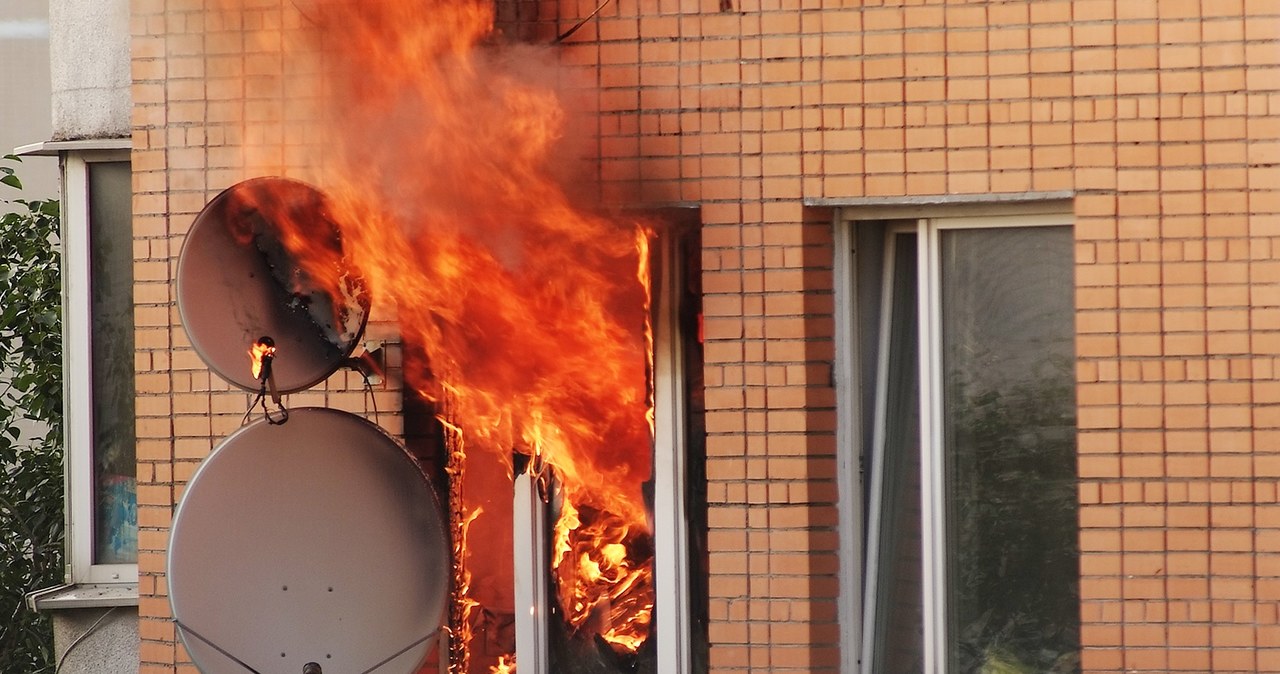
column 78, row 373
column 852, row 486
column 671, row 566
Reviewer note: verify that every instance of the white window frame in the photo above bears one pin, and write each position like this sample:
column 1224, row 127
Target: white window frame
column 78, row 373
column 858, row 586
column 671, row 536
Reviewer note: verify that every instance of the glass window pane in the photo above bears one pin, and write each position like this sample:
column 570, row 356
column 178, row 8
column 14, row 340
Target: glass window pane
column 898, row 626
column 1009, row 445
column 111, row 282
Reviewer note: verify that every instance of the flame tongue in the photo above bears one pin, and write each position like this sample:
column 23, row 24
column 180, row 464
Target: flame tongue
column 604, row 575
column 261, row 354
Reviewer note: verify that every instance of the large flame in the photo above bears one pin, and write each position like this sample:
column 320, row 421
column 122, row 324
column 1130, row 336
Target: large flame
column 443, row 165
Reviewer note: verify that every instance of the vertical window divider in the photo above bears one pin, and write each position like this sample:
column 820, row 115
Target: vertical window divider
column 848, row 431
column 532, row 595
column 932, row 463
column 76, row 366
column 671, row 554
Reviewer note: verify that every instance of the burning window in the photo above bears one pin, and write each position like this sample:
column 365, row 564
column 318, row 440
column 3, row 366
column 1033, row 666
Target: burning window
column 675, row 499
column 555, row 580
column 524, row 309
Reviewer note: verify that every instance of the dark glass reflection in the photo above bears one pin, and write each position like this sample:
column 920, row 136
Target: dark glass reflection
column 1009, row 445
column 111, row 305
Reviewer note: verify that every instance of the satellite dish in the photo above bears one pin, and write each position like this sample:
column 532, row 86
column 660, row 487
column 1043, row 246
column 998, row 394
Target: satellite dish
column 237, row 283
column 315, row 541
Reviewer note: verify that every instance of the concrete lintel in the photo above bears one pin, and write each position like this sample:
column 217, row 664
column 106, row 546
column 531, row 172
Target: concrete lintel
column 940, row 199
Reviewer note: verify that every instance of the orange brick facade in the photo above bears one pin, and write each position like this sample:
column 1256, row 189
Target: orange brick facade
column 1160, row 120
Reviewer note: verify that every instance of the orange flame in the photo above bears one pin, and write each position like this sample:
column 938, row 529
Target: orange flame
column 463, row 606
column 599, row 584
column 504, row 665
column 259, row 352
column 444, row 162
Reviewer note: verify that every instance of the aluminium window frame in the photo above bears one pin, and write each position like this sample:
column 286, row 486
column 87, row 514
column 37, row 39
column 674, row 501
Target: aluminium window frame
column 856, row 463
column 78, row 372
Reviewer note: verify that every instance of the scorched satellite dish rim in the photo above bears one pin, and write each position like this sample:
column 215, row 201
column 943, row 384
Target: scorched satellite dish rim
column 227, row 297
column 318, row 540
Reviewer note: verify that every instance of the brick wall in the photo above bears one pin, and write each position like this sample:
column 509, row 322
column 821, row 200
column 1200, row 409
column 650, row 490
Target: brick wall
column 211, row 107
column 1162, row 118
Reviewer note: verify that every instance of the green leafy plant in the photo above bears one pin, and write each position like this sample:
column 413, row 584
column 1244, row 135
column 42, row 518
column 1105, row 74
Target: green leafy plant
column 31, row 510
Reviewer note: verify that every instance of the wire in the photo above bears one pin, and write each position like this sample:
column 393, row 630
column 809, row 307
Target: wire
column 563, row 36
column 373, row 399
column 245, row 419
column 301, row 12
column 281, row 412
column 87, row 633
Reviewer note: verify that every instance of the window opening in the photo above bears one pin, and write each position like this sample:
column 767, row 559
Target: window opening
column 115, row 538
column 968, row 377
column 532, row 622
column 676, row 492
column 99, row 365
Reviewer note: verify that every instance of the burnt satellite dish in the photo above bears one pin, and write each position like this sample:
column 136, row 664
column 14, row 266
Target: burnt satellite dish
column 316, row 541
column 264, row 258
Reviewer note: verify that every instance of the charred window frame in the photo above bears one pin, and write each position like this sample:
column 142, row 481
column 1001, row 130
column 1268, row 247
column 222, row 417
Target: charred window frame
column 98, row 366
column 905, row 396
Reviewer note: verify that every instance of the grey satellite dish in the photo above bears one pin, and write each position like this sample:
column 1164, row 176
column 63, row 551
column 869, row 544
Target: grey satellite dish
column 237, row 282
column 314, row 541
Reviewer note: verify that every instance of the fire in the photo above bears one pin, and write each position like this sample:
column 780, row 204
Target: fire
column 504, row 666
column 445, row 160
column 261, row 352
column 464, row 606
column 597, row 579
column 290, row 225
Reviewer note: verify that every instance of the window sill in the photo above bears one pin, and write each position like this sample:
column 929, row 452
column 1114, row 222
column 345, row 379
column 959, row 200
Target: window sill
column 52, row 148
column 83, row 596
